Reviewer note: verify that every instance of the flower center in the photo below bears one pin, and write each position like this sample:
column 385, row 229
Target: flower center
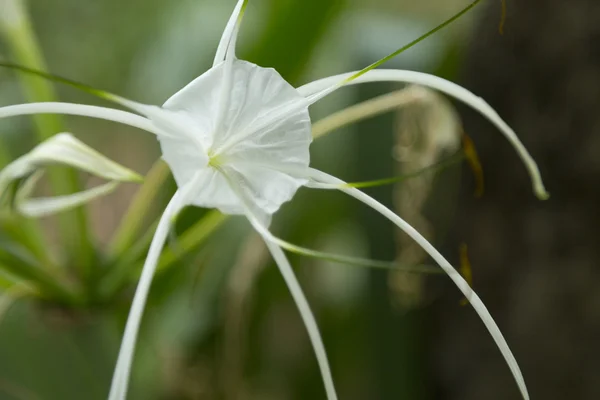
column 214, row 159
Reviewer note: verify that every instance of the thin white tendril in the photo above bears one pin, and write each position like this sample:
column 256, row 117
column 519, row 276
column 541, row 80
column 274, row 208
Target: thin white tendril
column 118, row 390
column 110, row 114
column 293, row 285
column 307, row 317
column 321, row 177
column 318, row 89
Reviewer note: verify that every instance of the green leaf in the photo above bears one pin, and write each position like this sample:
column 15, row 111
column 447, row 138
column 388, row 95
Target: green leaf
column 141, row 205
column 51, row 282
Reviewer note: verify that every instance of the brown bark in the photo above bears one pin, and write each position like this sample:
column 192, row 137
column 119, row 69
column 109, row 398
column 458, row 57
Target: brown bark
column 536, row 264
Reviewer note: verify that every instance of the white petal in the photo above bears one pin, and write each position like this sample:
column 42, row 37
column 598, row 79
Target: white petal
column 216, row 193
column 267, row 188
column 266, row 123
column 257, row 96
column 230, row 33
column 41, row 207
column 66, row 150
column 317, row 89
column 110, row 114
column 460, row 282
column 118, row 390
column 307, row 317
column 290, row 279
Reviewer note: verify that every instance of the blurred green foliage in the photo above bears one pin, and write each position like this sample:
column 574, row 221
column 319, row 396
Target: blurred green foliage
column 54, row 352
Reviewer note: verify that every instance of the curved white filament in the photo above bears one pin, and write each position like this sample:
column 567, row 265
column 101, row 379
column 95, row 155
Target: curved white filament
column 118, row 390
column 44, row 206
column 294, row 287
column 464, row 287
column 316, row 90
column 307, row 317
column 110, row 114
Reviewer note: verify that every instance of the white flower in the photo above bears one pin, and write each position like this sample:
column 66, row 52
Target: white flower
column 237, row 139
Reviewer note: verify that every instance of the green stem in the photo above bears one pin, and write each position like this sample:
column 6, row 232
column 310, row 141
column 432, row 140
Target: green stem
column 192, row 238
column 28, row 231
column 124, row 270
column 141, row 205
column 414, row 42
column 20, row 263
column 21, row 40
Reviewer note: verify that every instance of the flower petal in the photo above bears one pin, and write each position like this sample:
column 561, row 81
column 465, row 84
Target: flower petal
column 64, row 148
column 307, row 316
column 230, row 32
column 315, row 91
column 44, row 206
column 110, row 114
column 266, row 125
column 18, row 178
column 482, row 311
column 260, row 99
column 182, row 197
column 290, row 279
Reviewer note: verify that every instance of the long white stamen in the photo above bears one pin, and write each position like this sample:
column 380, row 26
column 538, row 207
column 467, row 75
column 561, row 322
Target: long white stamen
column 83, row 110
column 318, row 89
column 464, row 287
column 294, row 287
column 118, row 390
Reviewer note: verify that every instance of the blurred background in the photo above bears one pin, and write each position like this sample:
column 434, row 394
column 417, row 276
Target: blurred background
column 221, row 324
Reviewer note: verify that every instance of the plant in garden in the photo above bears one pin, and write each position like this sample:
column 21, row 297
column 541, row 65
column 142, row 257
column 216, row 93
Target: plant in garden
column 236, row 139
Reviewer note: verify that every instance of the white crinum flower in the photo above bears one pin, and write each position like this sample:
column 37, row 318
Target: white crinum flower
column 17, row 179
column 237, row 139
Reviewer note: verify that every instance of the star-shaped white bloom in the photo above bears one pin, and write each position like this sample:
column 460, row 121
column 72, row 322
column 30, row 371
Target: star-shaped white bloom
column 237, row 139
column 246, row 133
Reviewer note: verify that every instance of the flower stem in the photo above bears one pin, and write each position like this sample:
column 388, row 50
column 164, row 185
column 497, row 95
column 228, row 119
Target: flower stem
column 141, row 205
column 22, row 43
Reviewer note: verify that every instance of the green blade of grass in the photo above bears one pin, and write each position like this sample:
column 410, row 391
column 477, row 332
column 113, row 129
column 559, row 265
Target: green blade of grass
column 413, row 43
column 23, row 46
column 437, row 167
column 51, row 283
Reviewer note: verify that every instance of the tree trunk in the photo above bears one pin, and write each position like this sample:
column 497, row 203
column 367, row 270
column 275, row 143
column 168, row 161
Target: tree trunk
column 535, row 264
